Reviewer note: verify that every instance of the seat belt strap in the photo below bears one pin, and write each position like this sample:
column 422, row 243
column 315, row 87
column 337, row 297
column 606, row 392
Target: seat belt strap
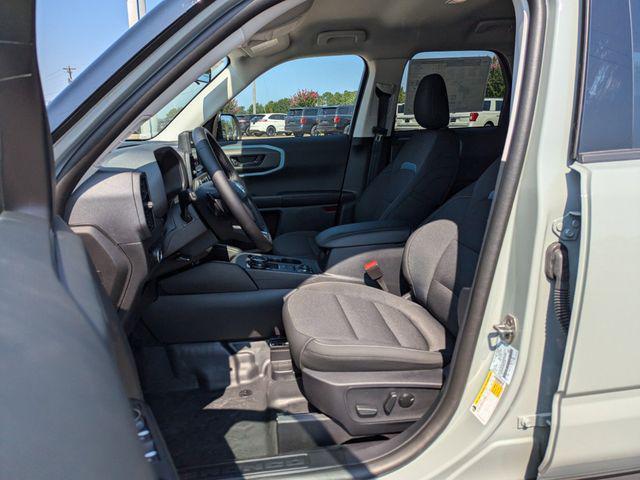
column 383, row 93
column 375, row 273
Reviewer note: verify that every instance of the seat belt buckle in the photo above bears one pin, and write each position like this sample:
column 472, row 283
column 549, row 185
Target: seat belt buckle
column 374, row 272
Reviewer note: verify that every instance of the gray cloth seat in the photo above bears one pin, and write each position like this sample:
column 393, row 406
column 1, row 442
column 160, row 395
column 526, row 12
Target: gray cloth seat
column 344, row 327
column 363, row 329
column 414, row 184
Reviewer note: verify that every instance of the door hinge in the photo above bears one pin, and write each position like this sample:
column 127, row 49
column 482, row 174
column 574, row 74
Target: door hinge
column 532, row 421
column 568, row 226
column 507, row 329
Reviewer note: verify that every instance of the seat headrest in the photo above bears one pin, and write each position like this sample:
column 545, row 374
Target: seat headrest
column 431, row 104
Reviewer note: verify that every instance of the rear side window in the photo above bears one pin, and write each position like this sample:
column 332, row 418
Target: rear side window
column 329, row 111
column 474, row 82
column 609, row 120
column 310, row 111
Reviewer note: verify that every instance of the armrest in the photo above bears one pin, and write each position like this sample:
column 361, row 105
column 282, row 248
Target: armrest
column 381, row 232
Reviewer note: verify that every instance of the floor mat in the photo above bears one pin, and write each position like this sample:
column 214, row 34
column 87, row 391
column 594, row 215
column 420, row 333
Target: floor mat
column 203, row 428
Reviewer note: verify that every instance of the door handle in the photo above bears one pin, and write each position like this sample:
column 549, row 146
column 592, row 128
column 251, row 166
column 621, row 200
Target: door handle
column 244, row 162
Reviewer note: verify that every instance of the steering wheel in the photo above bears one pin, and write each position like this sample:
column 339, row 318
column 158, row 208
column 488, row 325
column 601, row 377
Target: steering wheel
column 232, row 189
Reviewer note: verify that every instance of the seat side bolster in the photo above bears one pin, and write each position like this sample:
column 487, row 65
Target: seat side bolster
column 367, row 358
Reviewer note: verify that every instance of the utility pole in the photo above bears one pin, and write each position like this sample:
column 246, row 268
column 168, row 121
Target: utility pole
column 69, row 69
column 136, row 9
column 254, row 96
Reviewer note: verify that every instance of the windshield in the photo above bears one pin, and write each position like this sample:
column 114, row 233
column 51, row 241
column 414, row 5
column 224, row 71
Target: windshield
column 160, row 120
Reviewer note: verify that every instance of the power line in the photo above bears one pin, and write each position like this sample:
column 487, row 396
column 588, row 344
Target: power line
column 69, row 69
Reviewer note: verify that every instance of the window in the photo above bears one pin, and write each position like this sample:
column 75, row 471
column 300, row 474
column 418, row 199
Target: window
column 70, row 35
column 313, row 96
column 475, row 87
column 160, row 120
column 611, row 98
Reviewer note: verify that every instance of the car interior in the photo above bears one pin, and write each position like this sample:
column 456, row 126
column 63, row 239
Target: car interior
column 289, row 297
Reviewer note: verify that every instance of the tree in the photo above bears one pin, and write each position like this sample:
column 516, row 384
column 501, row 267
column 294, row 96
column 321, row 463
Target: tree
column 231, row 107
column 402, row 95
column 305, row 98
column 495, row 81
column 277, row 106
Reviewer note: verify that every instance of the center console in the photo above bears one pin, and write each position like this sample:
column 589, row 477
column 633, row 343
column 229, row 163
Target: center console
column 279, row 264
column 241, row 295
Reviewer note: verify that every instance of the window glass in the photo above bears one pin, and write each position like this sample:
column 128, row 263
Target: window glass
column 304, row 96
column 160, row 120
column 611, row 99
column 474, row 82
column 71, row 34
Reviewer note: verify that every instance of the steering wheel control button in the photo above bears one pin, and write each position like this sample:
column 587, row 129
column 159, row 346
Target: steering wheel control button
column 390, row 402
column 366, row 411
column 406, row 400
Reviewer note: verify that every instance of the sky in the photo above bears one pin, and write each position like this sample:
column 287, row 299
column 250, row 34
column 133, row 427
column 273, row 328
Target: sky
column 323, row 74
column 76, row 32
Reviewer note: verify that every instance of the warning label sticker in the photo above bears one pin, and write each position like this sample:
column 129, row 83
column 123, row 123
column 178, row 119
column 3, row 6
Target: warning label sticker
column 499, row 376
column 488, row 397
column 504, row 362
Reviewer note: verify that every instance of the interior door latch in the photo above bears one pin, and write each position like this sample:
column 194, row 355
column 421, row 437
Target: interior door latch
column 507, row 329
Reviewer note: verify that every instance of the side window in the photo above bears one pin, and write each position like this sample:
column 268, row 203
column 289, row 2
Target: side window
column 475, row 87
column 610, row 117
column 301, row 92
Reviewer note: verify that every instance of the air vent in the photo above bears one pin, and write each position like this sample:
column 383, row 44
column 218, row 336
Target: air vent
column 147, row 204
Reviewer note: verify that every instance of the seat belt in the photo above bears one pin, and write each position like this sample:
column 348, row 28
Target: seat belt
column 374, row 272
column 383, row 91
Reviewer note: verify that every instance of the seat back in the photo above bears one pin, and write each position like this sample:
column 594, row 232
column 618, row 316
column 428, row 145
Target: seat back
column 440, row 257
column 421, row 175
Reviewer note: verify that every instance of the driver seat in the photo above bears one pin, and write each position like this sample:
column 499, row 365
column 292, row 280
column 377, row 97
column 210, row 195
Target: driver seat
column 413, row 185
column 362, row 351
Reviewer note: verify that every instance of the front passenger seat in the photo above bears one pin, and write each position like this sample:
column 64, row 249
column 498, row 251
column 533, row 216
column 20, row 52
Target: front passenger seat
column 363, row 351
column 414, row 184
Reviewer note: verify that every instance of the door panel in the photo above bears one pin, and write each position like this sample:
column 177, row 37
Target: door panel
column 295, row 181
column 253, row 160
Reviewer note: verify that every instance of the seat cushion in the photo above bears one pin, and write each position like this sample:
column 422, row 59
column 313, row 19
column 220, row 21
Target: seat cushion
column 297, row 244
column 336, row 326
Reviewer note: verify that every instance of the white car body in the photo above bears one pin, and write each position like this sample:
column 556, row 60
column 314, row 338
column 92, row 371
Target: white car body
column 268, row 123
column 404, row 121
column 490, row 114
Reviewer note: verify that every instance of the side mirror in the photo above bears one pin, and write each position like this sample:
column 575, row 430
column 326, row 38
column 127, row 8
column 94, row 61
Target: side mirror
column 228, row 128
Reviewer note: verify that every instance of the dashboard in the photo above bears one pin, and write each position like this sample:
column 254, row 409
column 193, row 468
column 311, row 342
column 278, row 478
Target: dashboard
column 127, row 212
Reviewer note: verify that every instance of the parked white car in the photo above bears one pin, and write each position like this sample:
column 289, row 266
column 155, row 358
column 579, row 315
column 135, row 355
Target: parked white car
column 268, row 123
column 404, row 121
column 490, row 114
